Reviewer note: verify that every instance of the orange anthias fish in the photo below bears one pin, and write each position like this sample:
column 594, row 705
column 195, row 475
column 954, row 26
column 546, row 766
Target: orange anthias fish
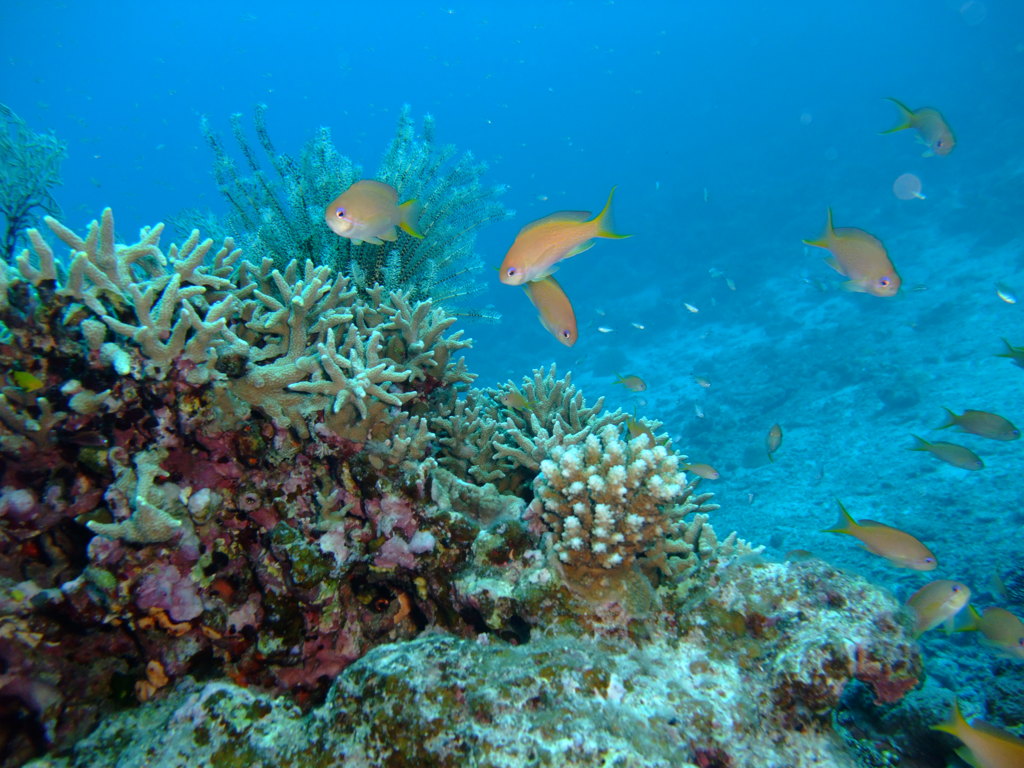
column 368, row 212
column 930, row 125
column 985, row 746
column 951, row 453
column 1001, row 629
column 983, row 424
column 632, row 383
column 861, row 257
column 556, row 313
column 772, row 441
column 702, row 470
column 936, row 602
column 1016, row 354
column 898, row 547
column 540, row 245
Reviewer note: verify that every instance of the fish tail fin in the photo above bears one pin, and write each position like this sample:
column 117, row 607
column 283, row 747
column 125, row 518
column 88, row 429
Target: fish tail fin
column 845, row 523
column 921, row 444
column 822, row 242
column 951, row 419
column 954, row 723
column 605, row 225
column 409, row 222
column 971, row 624
column 905, row 113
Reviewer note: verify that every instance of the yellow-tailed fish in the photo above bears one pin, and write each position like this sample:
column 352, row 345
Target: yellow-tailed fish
column 540, row 245
column 772, row 441
column 368, row 212
column 1014, row 353
column 985, row 746
column 930, row 125
column 861, row 257
column 983, row 424
column 936, row 602
column 898, row 547
column 556, row 313
column 1001, row 629
column 516, row 401
column 951, row 453
column 632, row 383
column 702, row 470
column 26, row 381
column 636, row 427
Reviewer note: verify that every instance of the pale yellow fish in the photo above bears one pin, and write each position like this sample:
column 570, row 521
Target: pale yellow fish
column 638, row 326
column 690, row 308
column 702, row 381
column 985, row 745
column 898, row 547
column 861, row 257
column 368, row 212
column 604, row 329
column 1001, row 629
column 982, row 423
column 951, row 453
column 930, row 125
column 26, row 381
column 730, row 284
column 772, row 441
column 1006, row 294
column 702, row 470
column 515, row 401
column 936, row 602
column 540, row 245
column 556, row 312
column 632, row 383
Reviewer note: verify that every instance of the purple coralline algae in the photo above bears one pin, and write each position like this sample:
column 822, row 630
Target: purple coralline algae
column 272, row 509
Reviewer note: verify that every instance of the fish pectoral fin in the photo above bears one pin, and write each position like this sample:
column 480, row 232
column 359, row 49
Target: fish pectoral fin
column 833, row 262
column 391, row 236
column 852, row 285
column 585, row 246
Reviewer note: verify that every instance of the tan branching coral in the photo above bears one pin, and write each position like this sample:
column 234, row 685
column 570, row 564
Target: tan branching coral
column 608, row 500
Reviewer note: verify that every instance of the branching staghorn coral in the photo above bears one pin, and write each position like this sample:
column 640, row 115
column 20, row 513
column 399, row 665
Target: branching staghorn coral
column 296, row 344
column 30, row 170
column 499, row 436
column 282, row 210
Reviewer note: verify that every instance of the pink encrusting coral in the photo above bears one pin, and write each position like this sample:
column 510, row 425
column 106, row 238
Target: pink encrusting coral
column 236, row 471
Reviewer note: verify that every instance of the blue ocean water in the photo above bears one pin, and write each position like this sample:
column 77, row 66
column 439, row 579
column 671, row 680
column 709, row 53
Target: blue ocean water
column 729, row 129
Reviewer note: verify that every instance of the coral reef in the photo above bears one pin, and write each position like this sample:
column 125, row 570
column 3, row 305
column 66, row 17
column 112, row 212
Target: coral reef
column 749, row 683
column 218, row 470
column 31, row 169
column 281, row 210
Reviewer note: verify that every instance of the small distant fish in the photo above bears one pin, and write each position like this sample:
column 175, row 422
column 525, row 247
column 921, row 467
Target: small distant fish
column 931, row 126
column 635, row 427
column 26, row 381
column 983, row 424
column 638, row 326
column 951, row 453
column 985, row 745
column 690, row 307
column 698, row 411
column 604, row 329
column 1001, row 629
column 861, row 257
column 798, row 555
column 632, row 383
column 1006, row 294
column 556, row 312
column 368, row 212
column 540, row 245
column 702, row 470
column 730, row 284
column 772, row 441
column 936, row 602
column 898, row 547
column 702, row 381
column 515, row 401
column 1016, row 354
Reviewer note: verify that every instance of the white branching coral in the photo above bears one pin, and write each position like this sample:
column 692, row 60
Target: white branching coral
column 608, row 500
column 297, row 344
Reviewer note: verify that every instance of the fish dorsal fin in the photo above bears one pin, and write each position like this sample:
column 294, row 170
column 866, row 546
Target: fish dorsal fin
column 560, row 217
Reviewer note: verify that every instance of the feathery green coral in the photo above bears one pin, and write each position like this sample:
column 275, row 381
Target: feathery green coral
column 281, row 210
column 29, row 171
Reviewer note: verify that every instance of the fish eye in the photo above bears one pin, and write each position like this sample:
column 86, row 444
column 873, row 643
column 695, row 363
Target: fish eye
column 956, row 588
column 511, row 271
column 341, row 213
column 929, row 559
column 939, row 143
column 565, row 333
column 885, row 282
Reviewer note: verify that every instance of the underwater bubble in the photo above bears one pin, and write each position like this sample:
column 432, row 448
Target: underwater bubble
column 907, row 187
